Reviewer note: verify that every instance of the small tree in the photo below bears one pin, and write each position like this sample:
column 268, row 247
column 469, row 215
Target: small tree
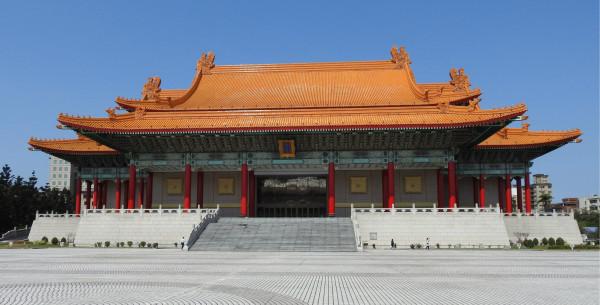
column 560, row 241
column 142, row 244
column 544, row 241
column 107, row 243
column 536, row 242
column 54, row 241
column 551, row 241
column 44, row 240
column 545, row 201
column 129, row 244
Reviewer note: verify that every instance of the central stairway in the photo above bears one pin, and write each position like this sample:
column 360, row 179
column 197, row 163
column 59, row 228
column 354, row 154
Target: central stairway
column 277, row 234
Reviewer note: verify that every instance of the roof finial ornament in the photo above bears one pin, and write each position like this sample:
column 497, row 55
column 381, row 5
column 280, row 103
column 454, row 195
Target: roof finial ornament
column 206, row 62
column 474, row 104
column 400, row 57
column 140, row 112
column 151, row 88
column 459, row 79
column 111, row 113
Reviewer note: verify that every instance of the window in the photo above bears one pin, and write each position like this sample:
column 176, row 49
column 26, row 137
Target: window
column 53, row 175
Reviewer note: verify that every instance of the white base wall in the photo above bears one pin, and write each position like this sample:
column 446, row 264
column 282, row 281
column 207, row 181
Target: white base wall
column 164, row 229
column 564, row 226
column 54, row 226
column 466, row 229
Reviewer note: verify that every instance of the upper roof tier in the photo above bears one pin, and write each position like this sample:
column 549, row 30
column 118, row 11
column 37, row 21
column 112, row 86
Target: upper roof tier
column 520, row 138
column 303, row 85
column 80, row 146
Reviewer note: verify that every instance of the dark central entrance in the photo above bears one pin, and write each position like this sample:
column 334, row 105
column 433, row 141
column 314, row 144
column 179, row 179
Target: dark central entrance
column 291, row 196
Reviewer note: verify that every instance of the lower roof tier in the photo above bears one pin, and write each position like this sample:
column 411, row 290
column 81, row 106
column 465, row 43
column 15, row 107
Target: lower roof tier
column 265, row 120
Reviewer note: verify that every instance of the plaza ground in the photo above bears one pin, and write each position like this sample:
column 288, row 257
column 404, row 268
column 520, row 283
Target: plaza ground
column 169, row 276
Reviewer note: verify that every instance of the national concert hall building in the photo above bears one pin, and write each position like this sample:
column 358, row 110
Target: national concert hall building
column 304, row 140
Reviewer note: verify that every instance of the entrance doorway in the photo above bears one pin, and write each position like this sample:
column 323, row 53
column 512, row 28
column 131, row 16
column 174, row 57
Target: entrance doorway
column 291, row 196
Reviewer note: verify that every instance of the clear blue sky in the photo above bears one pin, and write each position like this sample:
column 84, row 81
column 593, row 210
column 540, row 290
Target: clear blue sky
column 77, row 56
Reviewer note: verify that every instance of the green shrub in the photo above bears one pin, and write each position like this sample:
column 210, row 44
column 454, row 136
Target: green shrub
column 63, row 240
column 107, row 243
column 419, row 246
column 536, row 242
column 122, row 244
column 117, row 244
column 551, row 241
column 54, row 241
column 176, row 245
column 544, row 241
column 437, row 245
column 587, row 247
column 558, row 247
column 149, row 245
column 412, row 246
column 44, row 240
column 560, row 242
column 129, row 244
column 155, row 245
column 142, row 244
column 99, row 244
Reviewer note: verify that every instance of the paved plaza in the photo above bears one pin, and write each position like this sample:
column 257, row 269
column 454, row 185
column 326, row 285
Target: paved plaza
column 169, row 276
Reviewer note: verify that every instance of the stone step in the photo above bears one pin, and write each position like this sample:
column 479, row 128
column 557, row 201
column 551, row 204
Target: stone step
column 278, row 234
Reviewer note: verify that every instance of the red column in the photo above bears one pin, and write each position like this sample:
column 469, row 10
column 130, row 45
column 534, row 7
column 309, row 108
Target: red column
column 118, row 193
column 501, row 196
column 527, row 194
column 475, row 191
column 519, row 195
column 131, row 190
column 78, row 196
column 507, row 190
column 96, row 193
column 440, row 188
column 451, row 184
column 391, row 185
column 200, row 189
column 125, row 193
column 384, row 188
column 149, row 190
column 481, row 191
column 331, row 190
column 104, row 194
column 244, row 193
column 251, row 195
column 187, row 202
column 140, row 202
column 88, row 194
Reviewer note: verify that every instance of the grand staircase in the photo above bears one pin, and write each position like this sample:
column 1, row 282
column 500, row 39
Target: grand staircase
column 277, row 234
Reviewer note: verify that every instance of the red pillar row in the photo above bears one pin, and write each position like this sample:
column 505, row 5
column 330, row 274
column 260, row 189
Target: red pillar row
column 519, row 195
column 527, row 194
column 451, row 184
column 251, row 194
column 118, row 193
column 331, row 190
column 501, row 197
column 481, row 191
column 78, row 196
column 508, row 193
column 200, row 189
column 187, row 187
column 391, row 185
column 244, row 193
column 131, row 190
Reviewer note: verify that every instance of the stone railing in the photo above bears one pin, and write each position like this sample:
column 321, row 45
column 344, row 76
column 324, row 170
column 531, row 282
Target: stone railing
column 356, row 227
column 211, row 217
column 143, row 211
column 54, row 215
column 433, row 210
column 543, row 214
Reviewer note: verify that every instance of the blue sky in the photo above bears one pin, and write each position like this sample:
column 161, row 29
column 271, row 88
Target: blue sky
column 77, row 56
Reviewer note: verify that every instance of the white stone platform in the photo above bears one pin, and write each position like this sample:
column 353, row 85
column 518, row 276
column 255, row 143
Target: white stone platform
column 54, row 225
column 169, row 276
column 460, row 227
column 543, row 225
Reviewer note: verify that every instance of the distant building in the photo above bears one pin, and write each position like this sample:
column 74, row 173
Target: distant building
column 541, row 184
column 566, row 204
column 61, row 173
column 591, row 203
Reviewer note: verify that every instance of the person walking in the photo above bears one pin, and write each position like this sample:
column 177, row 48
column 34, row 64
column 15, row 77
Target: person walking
column 182, row 241
column 427, row 243
column 393, row 245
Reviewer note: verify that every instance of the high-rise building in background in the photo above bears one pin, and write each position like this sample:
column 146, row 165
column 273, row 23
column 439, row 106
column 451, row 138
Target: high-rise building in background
column 541, row 184
column 60, row 173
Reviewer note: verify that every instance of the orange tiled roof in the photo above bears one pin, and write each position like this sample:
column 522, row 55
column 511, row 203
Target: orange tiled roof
column 79, row 146
column 523, row 138
column 334, row 118
column 301, row 85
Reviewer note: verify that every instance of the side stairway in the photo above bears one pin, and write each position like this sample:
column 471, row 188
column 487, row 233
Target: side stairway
column 277, row 234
